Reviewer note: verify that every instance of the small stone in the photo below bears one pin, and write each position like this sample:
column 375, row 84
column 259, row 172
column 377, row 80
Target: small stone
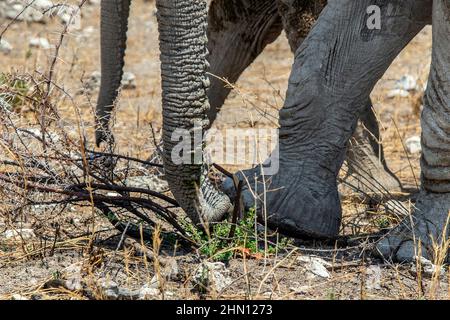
column 73, row 277
column 37, row 133
column 428, row 268
column 110, row 289
column 397, row 93
column 300, row 289
column 19, row 234
column 42, row 5
column 85, row 34
column 128, row 81
column 154, row 283
column 407, row 83
column 211, row 276
column 413, row 145
column 148, row 182
column 373, row 281
column 5, row 47
column 268, row 294
column 40, row 43
column 17, row 296
column 147, row 292
column 316, row 267
column 20, row 11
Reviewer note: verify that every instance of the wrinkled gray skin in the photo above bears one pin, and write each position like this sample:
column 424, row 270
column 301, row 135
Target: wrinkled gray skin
column 335, row 69
column 238, row 31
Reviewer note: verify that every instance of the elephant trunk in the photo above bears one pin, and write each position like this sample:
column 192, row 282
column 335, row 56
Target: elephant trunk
column 114, row 26
column 183, row 45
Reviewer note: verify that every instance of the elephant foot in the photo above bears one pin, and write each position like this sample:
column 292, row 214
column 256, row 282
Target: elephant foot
column 428, row 225
column 294, row 201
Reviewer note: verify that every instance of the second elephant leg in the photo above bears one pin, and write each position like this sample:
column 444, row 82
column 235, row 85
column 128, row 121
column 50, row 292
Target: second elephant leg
column 367, row 168
column 238, row 31
column 428, row 227
column 335, row 70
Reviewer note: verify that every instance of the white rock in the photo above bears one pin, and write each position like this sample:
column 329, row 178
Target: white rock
column 373, row 280
column 211, row 276
column 42, row 4
column 316, row 267
column 37, row 132
column 407, row 83
column 150, row 182
column 21, row 10
column 40, row 43
column 110, row 288
column 73, row 277
column 413, row 145
column 86, row 34
column 69, row 18
column 5, row 47
column 19, row 234
column 397, row 93
column 300, row 289
column 113, row 194
column 147, row 292
column 428, row 268
column 128, row 81
column 17, row 296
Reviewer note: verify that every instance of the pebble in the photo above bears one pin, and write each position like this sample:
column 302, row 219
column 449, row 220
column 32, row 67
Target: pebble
column 373, row 281
column 41, row 43
column 407, row 83
column 413, row 145
column 128, row 81
column 211, row 276
column 5, row 47
column 147, row 292
column 315, row 267
column 19, row 234
column 428, row 268
column 397, row 93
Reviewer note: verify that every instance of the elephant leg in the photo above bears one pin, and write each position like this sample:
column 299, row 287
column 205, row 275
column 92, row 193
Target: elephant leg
column 429, row 221
column 238, row 31
column 114, row 26
column 334, row 72
column 367, row 168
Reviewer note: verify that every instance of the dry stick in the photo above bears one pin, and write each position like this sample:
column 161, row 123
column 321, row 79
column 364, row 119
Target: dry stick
column 106, row 154
column 83, row 196
column 237, row 210
column 127, row 189
column 370, row 183
column 16, row 18
column 406, row 153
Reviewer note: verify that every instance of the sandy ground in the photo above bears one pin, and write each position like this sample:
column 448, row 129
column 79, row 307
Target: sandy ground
column 33, row 267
